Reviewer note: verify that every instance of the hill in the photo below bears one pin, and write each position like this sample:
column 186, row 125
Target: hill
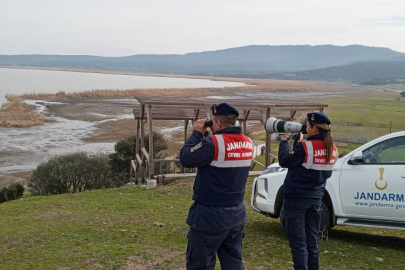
column 243, row 60
column 371, row 73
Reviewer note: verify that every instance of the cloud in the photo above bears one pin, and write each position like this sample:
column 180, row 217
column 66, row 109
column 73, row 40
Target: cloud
column 390, row 21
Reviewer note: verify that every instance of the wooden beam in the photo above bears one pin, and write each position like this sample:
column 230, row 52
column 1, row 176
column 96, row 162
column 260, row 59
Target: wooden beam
column 246, row 114
column 169, row 103
column 133, row 165
column 244, row 130
column 263, row 118
column 138, row 140
column 258, row 163
column 183, row 175
column 292, row 113
column 185, row 130
column 151, row 164
column 166, row 160
column 140, row 169
column 132, row 170
column 142, row 146
column 139, row 159
column 141, row 118
column 142, row 113
column 208, row 111
column 145, row 154
column 196, row 113
column 300, row 107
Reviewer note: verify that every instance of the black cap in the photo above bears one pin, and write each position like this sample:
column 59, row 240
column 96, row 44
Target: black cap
column 318, row 117
column 224, row 109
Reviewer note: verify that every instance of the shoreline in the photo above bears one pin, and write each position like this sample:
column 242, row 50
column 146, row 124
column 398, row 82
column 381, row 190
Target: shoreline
column 101, row 71
column 249, row 82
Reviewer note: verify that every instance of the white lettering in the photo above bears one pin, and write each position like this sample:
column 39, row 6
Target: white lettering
column 238, row 145
column 321, row 152
column 318, row 160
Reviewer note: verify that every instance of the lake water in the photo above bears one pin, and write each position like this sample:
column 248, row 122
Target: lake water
column 33, row 145
column 20, row 81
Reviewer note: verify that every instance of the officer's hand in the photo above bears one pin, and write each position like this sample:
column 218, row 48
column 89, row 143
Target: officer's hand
column 283, row 138
column 199, row 125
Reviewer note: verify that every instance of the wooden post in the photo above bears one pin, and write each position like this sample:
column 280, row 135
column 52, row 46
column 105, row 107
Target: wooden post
column 149, row 116
column 244, row 130
column 292, row 114
column 196, row 113
column 130, row 174
column 185, row 130
column 245, row 117
column 185, row 139
column 268, row 143
column 142, row 140
column 138, row 125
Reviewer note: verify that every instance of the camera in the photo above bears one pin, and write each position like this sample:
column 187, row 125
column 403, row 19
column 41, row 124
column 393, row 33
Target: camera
column 208, row 123
column 274, row 125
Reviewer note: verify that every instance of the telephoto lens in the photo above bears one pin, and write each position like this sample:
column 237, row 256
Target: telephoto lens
column 274, row 125
column 208, row 123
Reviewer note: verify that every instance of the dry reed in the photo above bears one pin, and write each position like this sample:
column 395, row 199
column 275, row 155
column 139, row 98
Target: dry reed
column 15, row 113
column 255, row 85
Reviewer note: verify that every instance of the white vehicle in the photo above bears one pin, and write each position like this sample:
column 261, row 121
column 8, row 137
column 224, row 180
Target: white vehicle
column 367, row 187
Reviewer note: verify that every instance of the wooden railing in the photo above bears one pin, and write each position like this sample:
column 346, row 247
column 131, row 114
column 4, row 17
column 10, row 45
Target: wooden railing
column 162, row 172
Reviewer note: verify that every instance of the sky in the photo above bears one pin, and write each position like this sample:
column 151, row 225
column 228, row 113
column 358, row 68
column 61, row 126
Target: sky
column 129, row 27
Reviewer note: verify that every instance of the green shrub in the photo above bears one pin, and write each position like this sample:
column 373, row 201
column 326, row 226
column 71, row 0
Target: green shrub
column 3, row 195
column 13, row 192
column 72, row 173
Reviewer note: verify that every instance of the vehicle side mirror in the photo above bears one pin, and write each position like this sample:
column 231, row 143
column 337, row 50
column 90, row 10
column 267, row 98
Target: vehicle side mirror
column 356, row 158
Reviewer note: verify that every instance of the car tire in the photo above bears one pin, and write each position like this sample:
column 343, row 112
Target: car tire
column 325, row 219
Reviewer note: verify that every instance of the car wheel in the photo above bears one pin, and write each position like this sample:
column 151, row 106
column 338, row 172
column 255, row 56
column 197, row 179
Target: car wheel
column 325, row 219
column 282, row 217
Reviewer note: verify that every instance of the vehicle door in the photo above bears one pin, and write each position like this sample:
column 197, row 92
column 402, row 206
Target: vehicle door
column 375, row 185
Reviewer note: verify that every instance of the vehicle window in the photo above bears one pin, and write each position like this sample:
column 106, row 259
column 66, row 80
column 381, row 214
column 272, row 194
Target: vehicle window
column 389, row 151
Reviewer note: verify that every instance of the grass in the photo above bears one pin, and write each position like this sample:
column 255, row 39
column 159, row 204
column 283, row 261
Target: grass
column 114, row 229
column 15, row 113
column 369, row 111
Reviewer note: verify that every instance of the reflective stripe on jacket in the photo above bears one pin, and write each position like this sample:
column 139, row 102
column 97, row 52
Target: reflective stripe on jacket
column 232, row 150
column 315, row 156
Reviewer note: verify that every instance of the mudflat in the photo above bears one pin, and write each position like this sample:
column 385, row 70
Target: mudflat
column 98, row 119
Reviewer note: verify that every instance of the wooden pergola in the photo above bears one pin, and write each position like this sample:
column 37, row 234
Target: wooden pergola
column 190, row 109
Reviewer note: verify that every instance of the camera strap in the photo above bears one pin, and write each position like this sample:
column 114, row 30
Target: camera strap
column 297, row 139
